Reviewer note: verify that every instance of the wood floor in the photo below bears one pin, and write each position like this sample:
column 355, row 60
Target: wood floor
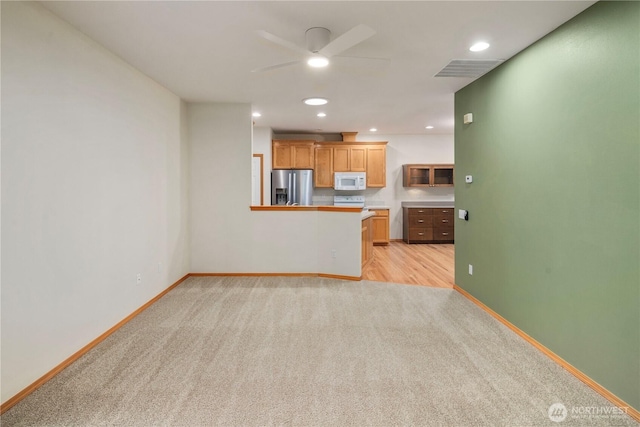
column 418, row 264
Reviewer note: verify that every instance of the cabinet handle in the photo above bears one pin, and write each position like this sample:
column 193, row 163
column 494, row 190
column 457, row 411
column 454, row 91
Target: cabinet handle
column 445, row 234
column 421, row 220
column 420, row 211
column 445, row 220
column 420, row 234
column 445, row 211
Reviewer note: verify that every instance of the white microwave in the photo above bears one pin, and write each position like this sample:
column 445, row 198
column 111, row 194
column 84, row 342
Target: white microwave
column 350, row 181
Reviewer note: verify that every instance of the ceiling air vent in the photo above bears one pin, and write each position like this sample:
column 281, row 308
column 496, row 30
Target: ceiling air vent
column 468, row 67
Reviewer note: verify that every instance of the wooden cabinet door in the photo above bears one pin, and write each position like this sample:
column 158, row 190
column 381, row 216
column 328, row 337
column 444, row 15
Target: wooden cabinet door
column 341, row 159
column 381, row 227
column 358, row 159
column 416, row 175
column 281, row 156
column 365, row 236
column 302, row 156
column 376, row 167
column 442, row 176
column 427, row 175
column 323, row 167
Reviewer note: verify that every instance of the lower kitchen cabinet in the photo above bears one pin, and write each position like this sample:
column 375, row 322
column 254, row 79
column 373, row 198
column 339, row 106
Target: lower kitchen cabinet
column 427, row 225
column 367, row 241
column 380, row 224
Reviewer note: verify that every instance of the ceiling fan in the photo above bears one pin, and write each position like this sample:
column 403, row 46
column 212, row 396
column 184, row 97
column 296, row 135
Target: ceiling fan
column 319, row 47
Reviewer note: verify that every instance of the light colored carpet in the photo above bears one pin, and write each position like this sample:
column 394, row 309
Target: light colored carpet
column 310, row 352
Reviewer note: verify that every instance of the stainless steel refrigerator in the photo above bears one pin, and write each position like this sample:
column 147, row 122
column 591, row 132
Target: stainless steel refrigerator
column 292, row 187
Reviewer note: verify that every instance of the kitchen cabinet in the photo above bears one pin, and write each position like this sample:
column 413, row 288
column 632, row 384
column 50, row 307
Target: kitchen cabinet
column 424, row 175
column 367, row 241
column 292, row 154
column 380, row 225
column 443, row 224
column 350, row 159
column 377, row 166
column 331, row 157
column 323, row 167
column 427, row 225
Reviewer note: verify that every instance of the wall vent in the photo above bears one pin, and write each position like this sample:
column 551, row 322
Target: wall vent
column 469, row 67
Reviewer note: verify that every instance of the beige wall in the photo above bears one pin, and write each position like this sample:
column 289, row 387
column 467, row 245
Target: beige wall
column 226, row 235
column 94, row 191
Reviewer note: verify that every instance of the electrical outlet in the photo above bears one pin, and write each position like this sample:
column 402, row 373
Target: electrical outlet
column 470, row 270
column 138, row 278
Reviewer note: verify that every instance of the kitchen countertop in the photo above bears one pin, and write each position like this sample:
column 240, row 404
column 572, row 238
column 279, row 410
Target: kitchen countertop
column 329, row 208
column 367, row 214
column 377, row 207
column 428, row 204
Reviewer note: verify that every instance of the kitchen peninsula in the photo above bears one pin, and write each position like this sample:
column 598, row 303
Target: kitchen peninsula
column 328, row 239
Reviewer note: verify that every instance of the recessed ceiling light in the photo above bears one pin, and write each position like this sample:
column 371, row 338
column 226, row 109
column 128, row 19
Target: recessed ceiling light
column 321, row 115
column 318, row 61
column 373, row 130
column 479, row 46
column 256, row 114
column 315, row 101
column 429, row 127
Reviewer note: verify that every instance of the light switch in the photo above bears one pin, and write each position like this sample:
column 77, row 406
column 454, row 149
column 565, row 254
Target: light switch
column 463, row 214
column 468, row 179
column 467, row 118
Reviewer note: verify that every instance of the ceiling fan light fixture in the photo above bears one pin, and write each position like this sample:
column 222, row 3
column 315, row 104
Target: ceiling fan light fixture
column 318, row 61
column 315, row 101
column 479, row 46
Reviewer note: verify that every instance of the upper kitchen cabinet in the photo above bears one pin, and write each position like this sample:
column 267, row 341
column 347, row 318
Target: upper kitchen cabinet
column 323, row 168
column 423, row 175
column 350, row 159
column 292, row 154
column 377, row 166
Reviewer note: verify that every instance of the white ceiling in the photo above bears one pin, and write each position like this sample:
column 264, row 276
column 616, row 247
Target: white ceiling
column 204, row 51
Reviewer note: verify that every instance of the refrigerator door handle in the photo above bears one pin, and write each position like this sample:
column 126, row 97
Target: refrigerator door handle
column 294, row 195
column 289, row 193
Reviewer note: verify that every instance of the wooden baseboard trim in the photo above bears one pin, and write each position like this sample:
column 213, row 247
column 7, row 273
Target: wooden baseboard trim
column 52, row 373
column 629, row 410
column 328, row 276
column 252, row 274
column 339, row 277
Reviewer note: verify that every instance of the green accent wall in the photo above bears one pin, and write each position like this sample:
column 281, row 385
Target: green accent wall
column 554, row 208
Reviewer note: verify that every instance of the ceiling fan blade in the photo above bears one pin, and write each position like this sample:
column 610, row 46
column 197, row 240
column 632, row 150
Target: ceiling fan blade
column 282, row 42
column 349, row 39
column 274, row 67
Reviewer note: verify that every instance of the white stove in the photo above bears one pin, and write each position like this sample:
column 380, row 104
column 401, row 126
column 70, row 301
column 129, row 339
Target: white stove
column 349, row 201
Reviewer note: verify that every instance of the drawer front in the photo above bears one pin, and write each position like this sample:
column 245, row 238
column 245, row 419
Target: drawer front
column 443, row 221
column 380, row 212
column 420, row 234
column 443, row 233
column 420, row 211
column 443, row 211
column 419, row 220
